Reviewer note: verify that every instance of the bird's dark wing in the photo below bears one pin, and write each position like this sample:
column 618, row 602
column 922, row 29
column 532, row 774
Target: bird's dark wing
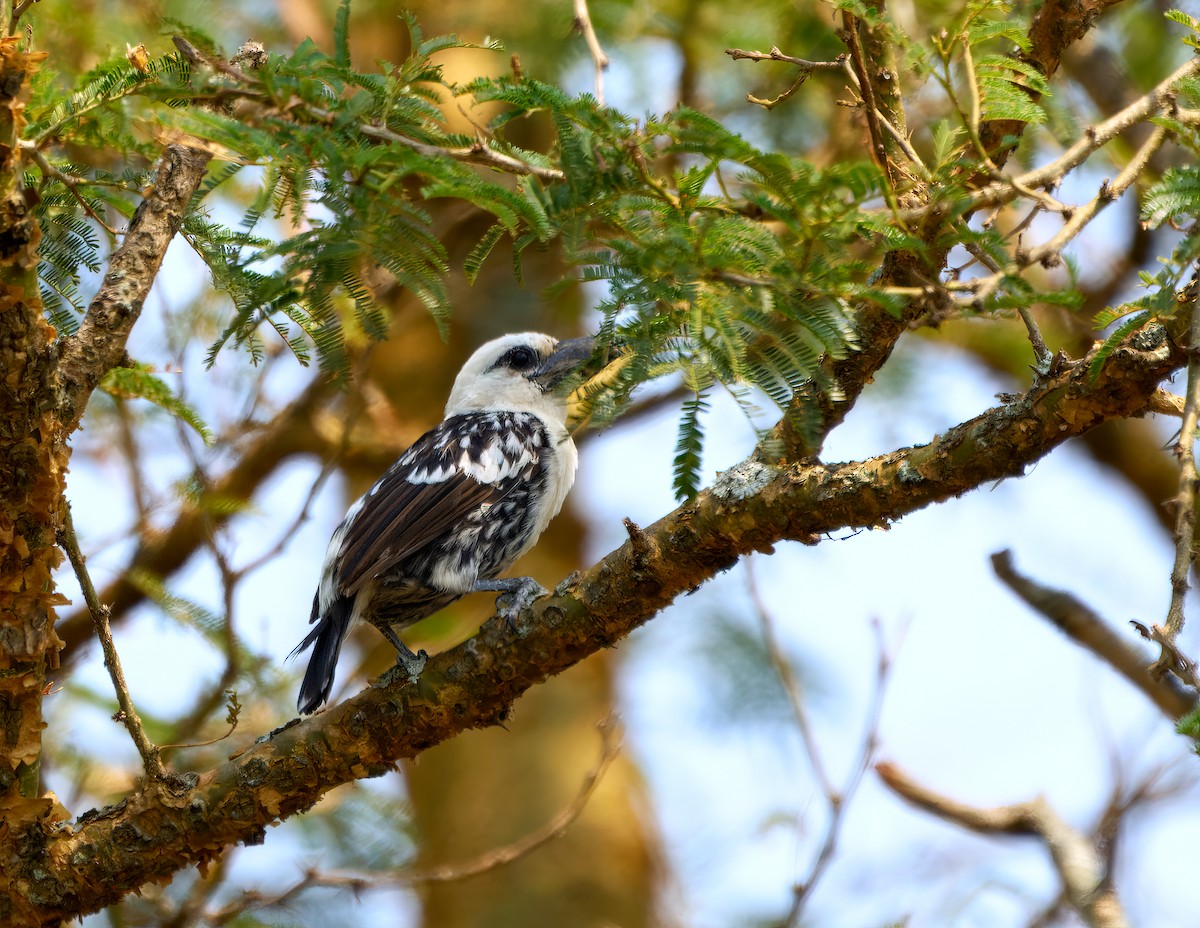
column 466, row 462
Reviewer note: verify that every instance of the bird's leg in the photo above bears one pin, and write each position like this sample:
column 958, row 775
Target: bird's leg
column 516, row 593
column 411, row 664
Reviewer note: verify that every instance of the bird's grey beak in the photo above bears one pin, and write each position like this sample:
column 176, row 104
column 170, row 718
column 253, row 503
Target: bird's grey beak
column 568, row 357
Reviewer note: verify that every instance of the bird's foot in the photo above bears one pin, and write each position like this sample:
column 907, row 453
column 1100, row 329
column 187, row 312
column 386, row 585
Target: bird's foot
column 513, row 602
column 407, row 667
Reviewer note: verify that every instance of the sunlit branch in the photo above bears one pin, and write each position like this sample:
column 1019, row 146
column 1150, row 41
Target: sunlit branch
column 1159, row 99
column 1050, row 252
column 583, row 23
column 776, row 55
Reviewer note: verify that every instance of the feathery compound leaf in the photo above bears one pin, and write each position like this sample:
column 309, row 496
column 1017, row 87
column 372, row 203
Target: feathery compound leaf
column 478, row 254
column 1002, row 98
column 1115, row 339
column 139, row 383
column 1013, row 30
column 1176, row 195
column 688, row 447
column 1178, row 16
column 341, row 35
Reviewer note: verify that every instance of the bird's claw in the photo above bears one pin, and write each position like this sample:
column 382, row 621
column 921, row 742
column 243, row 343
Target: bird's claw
column 512, row 603
column 407, row 667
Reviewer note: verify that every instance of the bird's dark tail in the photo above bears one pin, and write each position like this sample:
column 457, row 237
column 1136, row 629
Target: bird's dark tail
column 326, row 638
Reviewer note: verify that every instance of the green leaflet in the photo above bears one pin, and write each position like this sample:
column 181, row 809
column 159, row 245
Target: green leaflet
column 140, row 383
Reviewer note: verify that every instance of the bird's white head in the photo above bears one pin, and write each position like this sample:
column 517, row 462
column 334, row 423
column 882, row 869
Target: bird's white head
column 518, row 373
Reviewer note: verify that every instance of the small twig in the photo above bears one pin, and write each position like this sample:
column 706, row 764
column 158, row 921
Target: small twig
column 803, row 889
column 70, row 181
column 884, row 122
column 248, row 88
column 803, row 65
column 1165, row 780
column 837, row 799
column 791, row 686
column 776, row 55
column 128, row 714
column 231, row 719
column 1042, row 355
column 1093, row 138
column 583, row 23
column 972, row 119
column 1185, row 496
column 1048, row 253
column 610, row 746
column 858, row 65
column 131, row 453
column 771, row 103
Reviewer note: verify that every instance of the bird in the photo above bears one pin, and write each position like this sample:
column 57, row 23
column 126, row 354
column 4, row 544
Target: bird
column 456, row 509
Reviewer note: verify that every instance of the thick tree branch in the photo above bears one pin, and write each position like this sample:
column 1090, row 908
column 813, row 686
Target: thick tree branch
column 167, row 826
column 99, row 345
column 33, row 459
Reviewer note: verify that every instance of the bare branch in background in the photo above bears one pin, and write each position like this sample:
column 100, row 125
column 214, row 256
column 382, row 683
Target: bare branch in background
column 290, row 432
column 1085, row 878
column 1088, row 629
column 837, row 799
column 610, row 747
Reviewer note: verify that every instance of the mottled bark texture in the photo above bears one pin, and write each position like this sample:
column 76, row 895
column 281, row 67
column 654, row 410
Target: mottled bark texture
column 44, row 389
column 167, row 826
column 99, row 345
column 33, row 460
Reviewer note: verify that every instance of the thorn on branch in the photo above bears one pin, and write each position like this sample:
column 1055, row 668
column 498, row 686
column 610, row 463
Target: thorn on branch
column 640, row 545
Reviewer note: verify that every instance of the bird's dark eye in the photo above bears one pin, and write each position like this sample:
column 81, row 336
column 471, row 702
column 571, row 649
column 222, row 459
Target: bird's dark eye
column 520, row 358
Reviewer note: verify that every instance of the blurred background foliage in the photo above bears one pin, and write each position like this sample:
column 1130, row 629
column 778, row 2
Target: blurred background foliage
column 180, row 531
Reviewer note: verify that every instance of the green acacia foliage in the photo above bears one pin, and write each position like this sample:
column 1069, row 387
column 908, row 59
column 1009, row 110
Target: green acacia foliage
column 723, row 262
